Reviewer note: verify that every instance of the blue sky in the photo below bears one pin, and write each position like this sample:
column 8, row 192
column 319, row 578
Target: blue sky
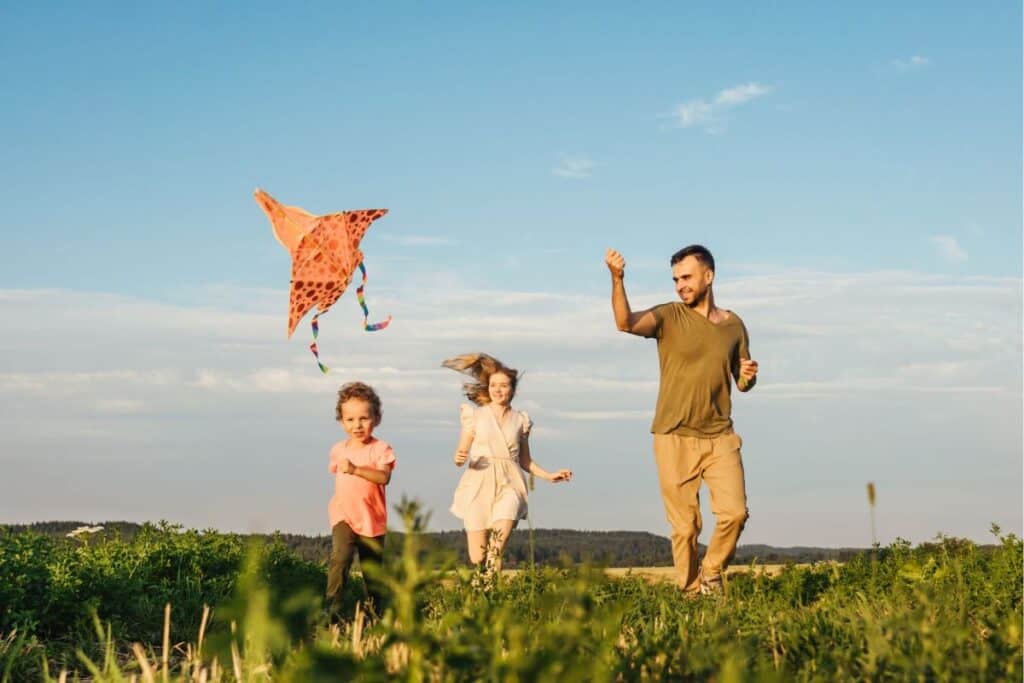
column 856, row 170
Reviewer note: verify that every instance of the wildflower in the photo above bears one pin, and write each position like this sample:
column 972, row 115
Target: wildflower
column 83, row 530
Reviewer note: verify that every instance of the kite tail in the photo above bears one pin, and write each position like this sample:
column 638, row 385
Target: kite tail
column 313, row 347
column 366, row 312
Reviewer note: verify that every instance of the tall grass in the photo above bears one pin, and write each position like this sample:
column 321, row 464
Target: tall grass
column 945, row 611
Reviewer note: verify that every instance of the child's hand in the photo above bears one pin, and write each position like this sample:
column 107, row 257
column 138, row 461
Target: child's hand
column 346, row 466
column 561, row 475
column 460, row 458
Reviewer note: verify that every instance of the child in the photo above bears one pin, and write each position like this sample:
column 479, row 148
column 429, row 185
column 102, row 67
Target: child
column 491, row 496
column 362, row 466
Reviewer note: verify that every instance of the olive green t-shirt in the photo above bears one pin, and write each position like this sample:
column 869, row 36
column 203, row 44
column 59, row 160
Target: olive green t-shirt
column 698, row 360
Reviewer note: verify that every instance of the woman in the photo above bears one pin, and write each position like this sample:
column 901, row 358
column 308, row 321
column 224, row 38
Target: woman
column 491, row 496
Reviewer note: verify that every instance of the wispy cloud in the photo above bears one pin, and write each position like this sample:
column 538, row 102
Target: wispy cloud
column 603, row 415
column 948, row 248
column 574, row 167
column 693, row 112
column 173, row 388
column 120, row 406
column 417, row 240
column 705, row 111
column 741, row 93
column 915, row 62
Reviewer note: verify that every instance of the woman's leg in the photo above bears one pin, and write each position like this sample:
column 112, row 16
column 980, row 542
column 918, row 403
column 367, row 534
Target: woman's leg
column 499, row 538
column 476, row 544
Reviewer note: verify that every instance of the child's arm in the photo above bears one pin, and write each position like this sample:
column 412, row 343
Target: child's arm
column 370, row 474
column 531, row 466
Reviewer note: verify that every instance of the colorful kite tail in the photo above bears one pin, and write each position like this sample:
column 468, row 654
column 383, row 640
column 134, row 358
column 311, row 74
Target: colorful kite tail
column 313, row 347
column 369, row 327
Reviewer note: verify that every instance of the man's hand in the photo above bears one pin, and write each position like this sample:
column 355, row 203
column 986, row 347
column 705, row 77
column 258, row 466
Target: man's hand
column 748, row 372
column 460, row 458
column 615, row 262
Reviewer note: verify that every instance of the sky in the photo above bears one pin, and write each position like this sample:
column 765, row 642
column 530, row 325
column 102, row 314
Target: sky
column 856, row 170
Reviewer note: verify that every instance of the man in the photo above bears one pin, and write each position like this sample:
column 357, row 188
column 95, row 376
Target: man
column 701, row 349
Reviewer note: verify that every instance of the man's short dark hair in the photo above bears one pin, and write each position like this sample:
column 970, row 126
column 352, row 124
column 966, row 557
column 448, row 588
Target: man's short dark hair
column 698, row 252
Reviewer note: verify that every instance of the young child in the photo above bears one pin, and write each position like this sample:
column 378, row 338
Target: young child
column 362, row 466
column 491, row 496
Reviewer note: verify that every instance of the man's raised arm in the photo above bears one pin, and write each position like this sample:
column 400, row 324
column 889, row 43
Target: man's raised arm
column 641, row 323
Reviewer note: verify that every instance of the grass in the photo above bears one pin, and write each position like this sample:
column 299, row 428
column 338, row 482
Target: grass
column 945, row 611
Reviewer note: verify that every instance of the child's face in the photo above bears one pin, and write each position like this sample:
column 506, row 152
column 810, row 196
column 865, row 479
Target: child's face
column 357, row 419
column 499, row 387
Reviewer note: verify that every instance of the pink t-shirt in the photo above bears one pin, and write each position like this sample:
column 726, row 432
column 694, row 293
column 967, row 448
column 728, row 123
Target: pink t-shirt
column 358, row 502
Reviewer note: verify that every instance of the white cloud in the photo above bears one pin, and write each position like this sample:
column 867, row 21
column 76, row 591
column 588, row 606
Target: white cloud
column 741, row 93
column 120, row 406
column 914, row 62
column 298, row 380
column 864, row 376
column 693, row 112
column 702, row 112
column 53, row 383
column 603, row 415
column 949, row 248
column 574, row 167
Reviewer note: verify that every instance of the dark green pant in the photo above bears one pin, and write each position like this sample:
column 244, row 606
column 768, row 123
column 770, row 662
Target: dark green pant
column 344, row 544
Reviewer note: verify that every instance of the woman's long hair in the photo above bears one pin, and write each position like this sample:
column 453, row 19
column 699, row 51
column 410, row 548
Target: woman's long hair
column 480, row 367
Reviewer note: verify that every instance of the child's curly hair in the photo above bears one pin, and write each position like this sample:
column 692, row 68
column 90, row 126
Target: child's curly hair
column 362, row 392
column 481, row 366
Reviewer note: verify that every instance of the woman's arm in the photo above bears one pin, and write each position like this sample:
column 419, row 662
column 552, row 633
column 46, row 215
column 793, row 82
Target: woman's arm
column 462, row 449
column 531, row 466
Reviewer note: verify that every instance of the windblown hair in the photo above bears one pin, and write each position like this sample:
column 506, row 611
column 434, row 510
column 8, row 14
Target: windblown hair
column 362, row 392
column 480, row 367
column 697, row 251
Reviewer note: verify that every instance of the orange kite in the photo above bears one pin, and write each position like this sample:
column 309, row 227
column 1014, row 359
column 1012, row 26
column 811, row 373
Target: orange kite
column 325, row 253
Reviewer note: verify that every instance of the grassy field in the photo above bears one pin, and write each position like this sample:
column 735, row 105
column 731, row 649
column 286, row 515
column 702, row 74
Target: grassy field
column 668, row 574
column 946, row 611
column 655, row 574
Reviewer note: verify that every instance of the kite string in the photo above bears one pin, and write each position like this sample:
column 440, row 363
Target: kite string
column 366, row 312
column 370, row 327
column 313, row 347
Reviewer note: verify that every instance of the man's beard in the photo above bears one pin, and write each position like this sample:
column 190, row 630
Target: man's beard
column 699, row 299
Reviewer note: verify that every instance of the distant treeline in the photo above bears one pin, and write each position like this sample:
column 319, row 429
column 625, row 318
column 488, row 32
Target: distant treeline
column 550, row 546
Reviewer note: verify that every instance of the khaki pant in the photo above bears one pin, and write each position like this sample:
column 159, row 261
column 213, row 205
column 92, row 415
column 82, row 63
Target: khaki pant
column 683, row 461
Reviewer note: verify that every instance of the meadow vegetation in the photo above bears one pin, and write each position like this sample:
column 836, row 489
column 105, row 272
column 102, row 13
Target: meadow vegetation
column 98, row 609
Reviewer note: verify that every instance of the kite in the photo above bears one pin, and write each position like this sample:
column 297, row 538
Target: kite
column 325, row 253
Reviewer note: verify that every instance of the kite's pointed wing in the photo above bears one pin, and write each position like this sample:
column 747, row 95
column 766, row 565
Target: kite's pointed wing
column 290, row 223
column 359, row 222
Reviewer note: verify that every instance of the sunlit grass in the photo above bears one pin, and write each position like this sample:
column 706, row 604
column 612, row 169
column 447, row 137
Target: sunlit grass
column 950, row 610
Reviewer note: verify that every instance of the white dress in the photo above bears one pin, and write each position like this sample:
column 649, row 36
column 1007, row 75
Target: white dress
column 492, row 488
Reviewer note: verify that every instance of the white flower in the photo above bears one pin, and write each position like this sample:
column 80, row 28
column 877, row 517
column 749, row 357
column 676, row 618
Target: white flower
column 83, row 530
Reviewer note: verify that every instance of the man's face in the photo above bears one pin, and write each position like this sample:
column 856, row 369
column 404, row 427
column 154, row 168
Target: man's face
column 692, row 279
